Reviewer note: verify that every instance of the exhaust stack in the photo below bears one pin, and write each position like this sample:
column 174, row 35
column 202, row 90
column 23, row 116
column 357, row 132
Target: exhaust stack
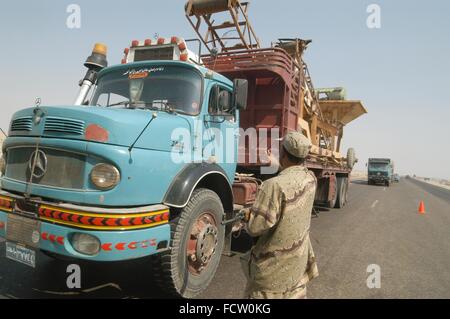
column 94, row 63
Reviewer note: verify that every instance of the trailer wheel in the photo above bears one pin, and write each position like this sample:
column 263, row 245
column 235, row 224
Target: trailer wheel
column 332, row 203
column 341, row 192
column 197, row 241
column 346, row 193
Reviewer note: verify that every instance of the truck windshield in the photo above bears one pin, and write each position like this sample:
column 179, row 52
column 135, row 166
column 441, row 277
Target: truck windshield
column 166, row 88
column 378, row 166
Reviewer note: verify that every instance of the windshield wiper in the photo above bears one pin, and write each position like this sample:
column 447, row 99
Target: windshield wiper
column 124, row 103
column 166, row 107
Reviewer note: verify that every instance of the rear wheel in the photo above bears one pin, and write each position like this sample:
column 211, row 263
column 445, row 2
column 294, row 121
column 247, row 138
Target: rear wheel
column 332, row 202
column 341, row 192
column 197, row 241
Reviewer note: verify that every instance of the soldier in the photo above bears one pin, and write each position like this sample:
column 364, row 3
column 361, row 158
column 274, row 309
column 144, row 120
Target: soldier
column 282, row 261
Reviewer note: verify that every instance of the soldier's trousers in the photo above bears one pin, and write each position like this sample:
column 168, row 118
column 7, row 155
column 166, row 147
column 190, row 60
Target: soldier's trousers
column 296, row 293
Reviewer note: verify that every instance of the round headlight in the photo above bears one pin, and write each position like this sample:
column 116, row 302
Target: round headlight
column 105, row 176
column 85, row 244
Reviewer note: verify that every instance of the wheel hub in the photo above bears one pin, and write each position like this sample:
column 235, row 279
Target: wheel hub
column 202, row 243
column 206, row 244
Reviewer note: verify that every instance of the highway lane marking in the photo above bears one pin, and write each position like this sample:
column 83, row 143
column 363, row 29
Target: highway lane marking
column 384, row 189
column 374, row 204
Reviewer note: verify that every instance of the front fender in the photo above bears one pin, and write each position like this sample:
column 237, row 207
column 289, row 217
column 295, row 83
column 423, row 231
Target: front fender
column 195, row 175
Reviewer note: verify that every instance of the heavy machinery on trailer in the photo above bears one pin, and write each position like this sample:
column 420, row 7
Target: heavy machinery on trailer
column 281, row 96
column 134, row 167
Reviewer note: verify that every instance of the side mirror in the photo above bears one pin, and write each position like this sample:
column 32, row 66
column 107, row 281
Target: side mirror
column 240, row 94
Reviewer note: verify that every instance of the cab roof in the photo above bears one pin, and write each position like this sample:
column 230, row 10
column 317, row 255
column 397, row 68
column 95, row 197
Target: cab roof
column 206, row 73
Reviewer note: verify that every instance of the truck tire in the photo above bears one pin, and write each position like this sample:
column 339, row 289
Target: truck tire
column 341, row 192
column 351, row 158
column 197, row 241
column 332, row 203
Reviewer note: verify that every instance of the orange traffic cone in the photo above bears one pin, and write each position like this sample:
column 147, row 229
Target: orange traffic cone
column 422, row 208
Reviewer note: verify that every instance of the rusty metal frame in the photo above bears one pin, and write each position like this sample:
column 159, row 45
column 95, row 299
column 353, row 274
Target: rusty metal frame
column 277, row 61
column 239, row 23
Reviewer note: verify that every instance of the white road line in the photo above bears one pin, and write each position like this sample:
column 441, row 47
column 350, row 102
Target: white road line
column 384, row 189
column 374, row 204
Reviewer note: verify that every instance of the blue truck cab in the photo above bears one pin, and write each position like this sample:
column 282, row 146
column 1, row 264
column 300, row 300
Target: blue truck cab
column 135, row 169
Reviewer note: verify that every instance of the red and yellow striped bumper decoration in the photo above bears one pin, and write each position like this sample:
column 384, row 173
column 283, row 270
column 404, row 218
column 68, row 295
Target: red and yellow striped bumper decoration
column 103, row 221
column 6, row 204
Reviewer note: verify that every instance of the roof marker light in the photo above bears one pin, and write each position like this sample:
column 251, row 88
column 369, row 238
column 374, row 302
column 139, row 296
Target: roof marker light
column 135, row 43
column 100, row 48
column 147, row 42
column 184, row 57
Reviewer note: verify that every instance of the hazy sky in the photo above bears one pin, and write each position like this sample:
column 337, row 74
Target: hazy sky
column 401, row 71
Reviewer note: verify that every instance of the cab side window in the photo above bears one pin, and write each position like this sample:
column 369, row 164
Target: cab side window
column 220, row 101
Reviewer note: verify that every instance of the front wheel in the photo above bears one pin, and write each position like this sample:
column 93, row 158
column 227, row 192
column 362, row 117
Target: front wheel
column 197, row 241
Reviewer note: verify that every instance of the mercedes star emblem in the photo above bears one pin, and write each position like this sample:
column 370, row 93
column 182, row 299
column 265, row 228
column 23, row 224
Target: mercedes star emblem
column 40, row 167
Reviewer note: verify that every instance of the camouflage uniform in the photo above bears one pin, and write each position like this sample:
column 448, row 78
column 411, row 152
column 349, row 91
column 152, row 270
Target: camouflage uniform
column 282, row 261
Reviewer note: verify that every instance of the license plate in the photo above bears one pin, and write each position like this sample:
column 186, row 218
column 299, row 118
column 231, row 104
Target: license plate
column 21, row 254
column 23, row 230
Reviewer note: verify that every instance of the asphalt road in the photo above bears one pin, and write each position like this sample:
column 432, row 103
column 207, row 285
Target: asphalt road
column 380, row 226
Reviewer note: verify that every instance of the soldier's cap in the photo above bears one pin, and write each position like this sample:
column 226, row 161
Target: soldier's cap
column 296, row 144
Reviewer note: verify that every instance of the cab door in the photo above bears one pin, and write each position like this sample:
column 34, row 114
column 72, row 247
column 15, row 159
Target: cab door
column 221, row 129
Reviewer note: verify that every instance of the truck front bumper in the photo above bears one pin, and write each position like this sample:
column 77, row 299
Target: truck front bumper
column 122, row 234
column 379, row 179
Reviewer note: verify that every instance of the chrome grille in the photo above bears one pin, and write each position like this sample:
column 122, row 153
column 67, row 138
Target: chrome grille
column 22, row 124
column 64, row 169
column 64, row 126
column 23, row 230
